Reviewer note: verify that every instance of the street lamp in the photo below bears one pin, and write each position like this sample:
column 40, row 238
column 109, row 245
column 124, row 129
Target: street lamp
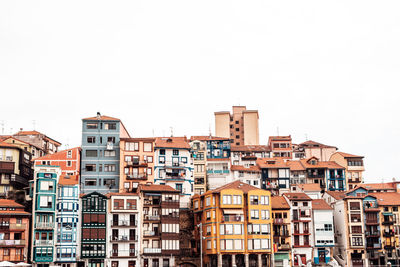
column 201, row 243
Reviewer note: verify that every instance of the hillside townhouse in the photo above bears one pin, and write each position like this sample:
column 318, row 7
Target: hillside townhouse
column 123, row 229
column 281, row 231
column 324, row 238
column 311, row 190
column 302, row 228
column 275, row 174
column 297, row 172
column 137, row 163
column 34, row 150
column 247, row 174
column 199, row 156
column 45, row 144
column 174, row 166
column 354, row 168
column 314, row 149
column 234, row 225
column 160, row 219
column 247, row 155
column 281, row 146
column 68, row 160
column 101, row 153
column 14, row 232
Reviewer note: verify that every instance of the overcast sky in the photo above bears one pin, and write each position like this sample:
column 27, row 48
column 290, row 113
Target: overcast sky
column 326, row 70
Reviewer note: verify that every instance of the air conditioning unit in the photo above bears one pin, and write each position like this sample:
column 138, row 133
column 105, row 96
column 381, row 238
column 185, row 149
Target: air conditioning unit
column 124, row 237
column 124, row 223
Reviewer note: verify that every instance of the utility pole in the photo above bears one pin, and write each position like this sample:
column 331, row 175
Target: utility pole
column 201, row 244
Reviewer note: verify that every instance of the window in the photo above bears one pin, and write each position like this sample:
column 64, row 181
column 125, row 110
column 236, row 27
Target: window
column 227, row 199
column 305, row 204
column 69, row 163
column 111, row 139
column 147, row 147
column 161, row 159
column 149, row 159
column 91, row 139
column 264, row 200
column 356, row 229
column 91, row 153
column 132, row 146
column 162, row 151
column 184, row 159
column 90, row 182
column 254, row 214
column 357, row 241
column 178, row 187
column 45, row 201
column 90, row 167
column 110, row 126
column 109, row 167
column 109, row 153
column 237, row 200
column 175, row 152
column 328, row 227
column 208, row 201
column 265, row 214
column 253, row 200
column 91, row 126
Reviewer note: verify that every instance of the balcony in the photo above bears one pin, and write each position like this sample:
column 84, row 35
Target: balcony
column 371, row 234
column 374, row 246
column 388, row 233
column 12, row 258
column 283, row 246
column 123, row 223
column 12, row 242
column 280, row 221
column 43, row 242
column 123, row 238
column 371, row 207
column 148, row 217
column 387, row 222
column 44, row 225
column 233, row 218
column 372, row 222
column 123, row 253
column 151, row 233
column 151, row 250
column 137, row 163
column 152, row 202
column 7, row 166
column 390, row 245
column 138, row 176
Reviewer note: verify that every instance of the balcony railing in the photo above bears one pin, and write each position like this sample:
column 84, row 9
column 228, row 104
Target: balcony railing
column 140, row 176
column 148, row 217
column 122, row 223
column 124, row 253
column 150, row 233
column 44, row 225
column 12, row 242
column 17, row 226
column 372, row 221
column 283, row 246
column 233, row 218
column 388, row 233
column 150, row 202
column 43, row 242
column 373, row 246
column 124, row 238
column 372, row 233
column 151, row 250
column 136, row 163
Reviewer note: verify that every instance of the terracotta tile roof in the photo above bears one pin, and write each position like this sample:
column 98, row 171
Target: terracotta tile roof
column 14, row 212
column 236, row 185
column 10, row 203
column 295, row 165
column 60, row 155
column 347, row 155
column 207, row 138
column 103, row 118
column 320, row 164
column 297, row 196
column 251, row 148
column 337, row 194
column 310, row 187
column 279, row 203
column 24, row 133
column 320, row 204
column 379, row 186
column 311, row 143
column 138, row 139
column 272, row 163
column 245, row 169
column 172, row 142
column 387, row 198
column 69, row 179
column 218, row 159
column 3, row 144
column 19, row 140
column 280, row 138
column 156, row 188
column 121, row 194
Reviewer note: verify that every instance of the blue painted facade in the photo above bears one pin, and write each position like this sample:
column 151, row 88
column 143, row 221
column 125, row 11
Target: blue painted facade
column 100, row 155
column 217, row 149
column 268, row 181
column 44, row 212
column 335, row 179
column 67, row 218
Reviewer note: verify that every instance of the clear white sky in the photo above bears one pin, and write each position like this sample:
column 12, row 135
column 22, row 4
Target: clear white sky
column 326, row 69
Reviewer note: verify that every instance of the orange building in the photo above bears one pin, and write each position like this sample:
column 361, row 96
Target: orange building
column 281, row 146
column 14, row 231
column 68, row 160
column 136, row 162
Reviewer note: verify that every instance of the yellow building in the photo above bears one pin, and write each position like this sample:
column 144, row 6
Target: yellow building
column 354, row 168
column 281, row 231
column 31, row 148
column 235, row 225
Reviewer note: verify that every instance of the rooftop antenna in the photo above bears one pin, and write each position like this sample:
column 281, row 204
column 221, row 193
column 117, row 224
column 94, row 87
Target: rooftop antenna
column 306, row 137
column 67, row 144
column 34, row 125
column 209, row 129
column 172, row 131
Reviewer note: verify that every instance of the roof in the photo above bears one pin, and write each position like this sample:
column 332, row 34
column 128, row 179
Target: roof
column 336, row 194
column 251, row 148
column 102, row 118
column 236, row 185
column 387, row 198
column 347, row 155
column 280, row 138
column 218, row 159
column 156, row 187
column 138, row 139
column 122, row 194
column 311, row 143
column 10, row 203
column 320, row 164
column 295, row 165
column 14, row 212
column 272, row 163
column 4, row 144
column 297, row 196
column 24, row 133
column 279, row 202
column 379, row 186
column 19, row 140
column 208, row 138
column 310, row 187
column 60, row 155
column 172, row 142
column 320, row 204
column 245, row 169
column 69, row 180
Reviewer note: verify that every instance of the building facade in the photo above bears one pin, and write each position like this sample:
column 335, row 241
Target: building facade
column 282, row 231
column 354, row 167
column 199, row 157
column 68, row 160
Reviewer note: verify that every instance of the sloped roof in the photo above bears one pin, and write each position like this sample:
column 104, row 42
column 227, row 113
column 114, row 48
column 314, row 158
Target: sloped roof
column 379, row 186
column 236, row 185
column 60, row 155
column 68, row 180
column 4, row 144
column 337, row 194
column 272, row 163
column 310, row 187
column 19, row 140
column 295, row 165
column 251, row 148
column 320, row 164
column 347, row 155
column 245, row 169
column 280, row 138
column 387, row 198
column 320, row 204
column 102, row 118
column 156, row 187
column 8, row 203
column 207, row 138
column 311, row 143
column 24, row 133
column 297, row 196
column 172, row 142
column 279, row 202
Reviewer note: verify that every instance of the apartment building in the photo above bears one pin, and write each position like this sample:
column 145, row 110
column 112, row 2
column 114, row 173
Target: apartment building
column 174, row 166
column 241, row 126
column 137, row 163
column 14, row 232
column 43, row 142
column 44, row 195
column 198, row 150
column 354, row 168
column 68, row 227
column 123, row 227
column 68, row 160
column 281, row 146
column 234, row 225
column 302, row 228
column 247, row 174
column 248, row 154
column 160, row 232
column 314, row 149
column 281, row 231
column 31, row 148
column 275, row 174
column 101, row 153
column 15, row 171
column 94, row 240
column 324, row 237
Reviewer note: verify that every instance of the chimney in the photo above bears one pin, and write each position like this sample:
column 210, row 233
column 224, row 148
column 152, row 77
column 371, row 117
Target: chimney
column 98, row 115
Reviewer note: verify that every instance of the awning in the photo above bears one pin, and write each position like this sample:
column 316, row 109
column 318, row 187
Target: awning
column 281, row 256
column 387, row 214
column 233, row 211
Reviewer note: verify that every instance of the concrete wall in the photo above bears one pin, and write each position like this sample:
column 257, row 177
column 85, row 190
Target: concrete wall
column 250, row 127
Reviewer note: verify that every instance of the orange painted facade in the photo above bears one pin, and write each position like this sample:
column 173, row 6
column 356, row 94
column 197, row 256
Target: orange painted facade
column 68, row 160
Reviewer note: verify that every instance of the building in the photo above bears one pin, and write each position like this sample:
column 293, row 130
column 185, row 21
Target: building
column 174, row 167
column 247, row 155
column 14, row 232
column 247, row 174
column 160, row 232
column 68, row 220
column 275, row 174
column 241, row 126
column 311, row 190
column 354, row 168
column 44, row 195
column 234, row 225
column 45, row 144
column 124, row 215
column 297, row 172
column 34, row 150
column 324, row 237
column 281, row 231
column 100, row 153
column 68, row 160
column 94, row 230
column 281, row 146
column 137, row 163
column 15, row 171
column 199, row 157
column 314, row 149
column 302, row 228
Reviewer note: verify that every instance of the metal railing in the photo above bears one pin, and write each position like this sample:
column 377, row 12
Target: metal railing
column 152, row 250
column 44, row 225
